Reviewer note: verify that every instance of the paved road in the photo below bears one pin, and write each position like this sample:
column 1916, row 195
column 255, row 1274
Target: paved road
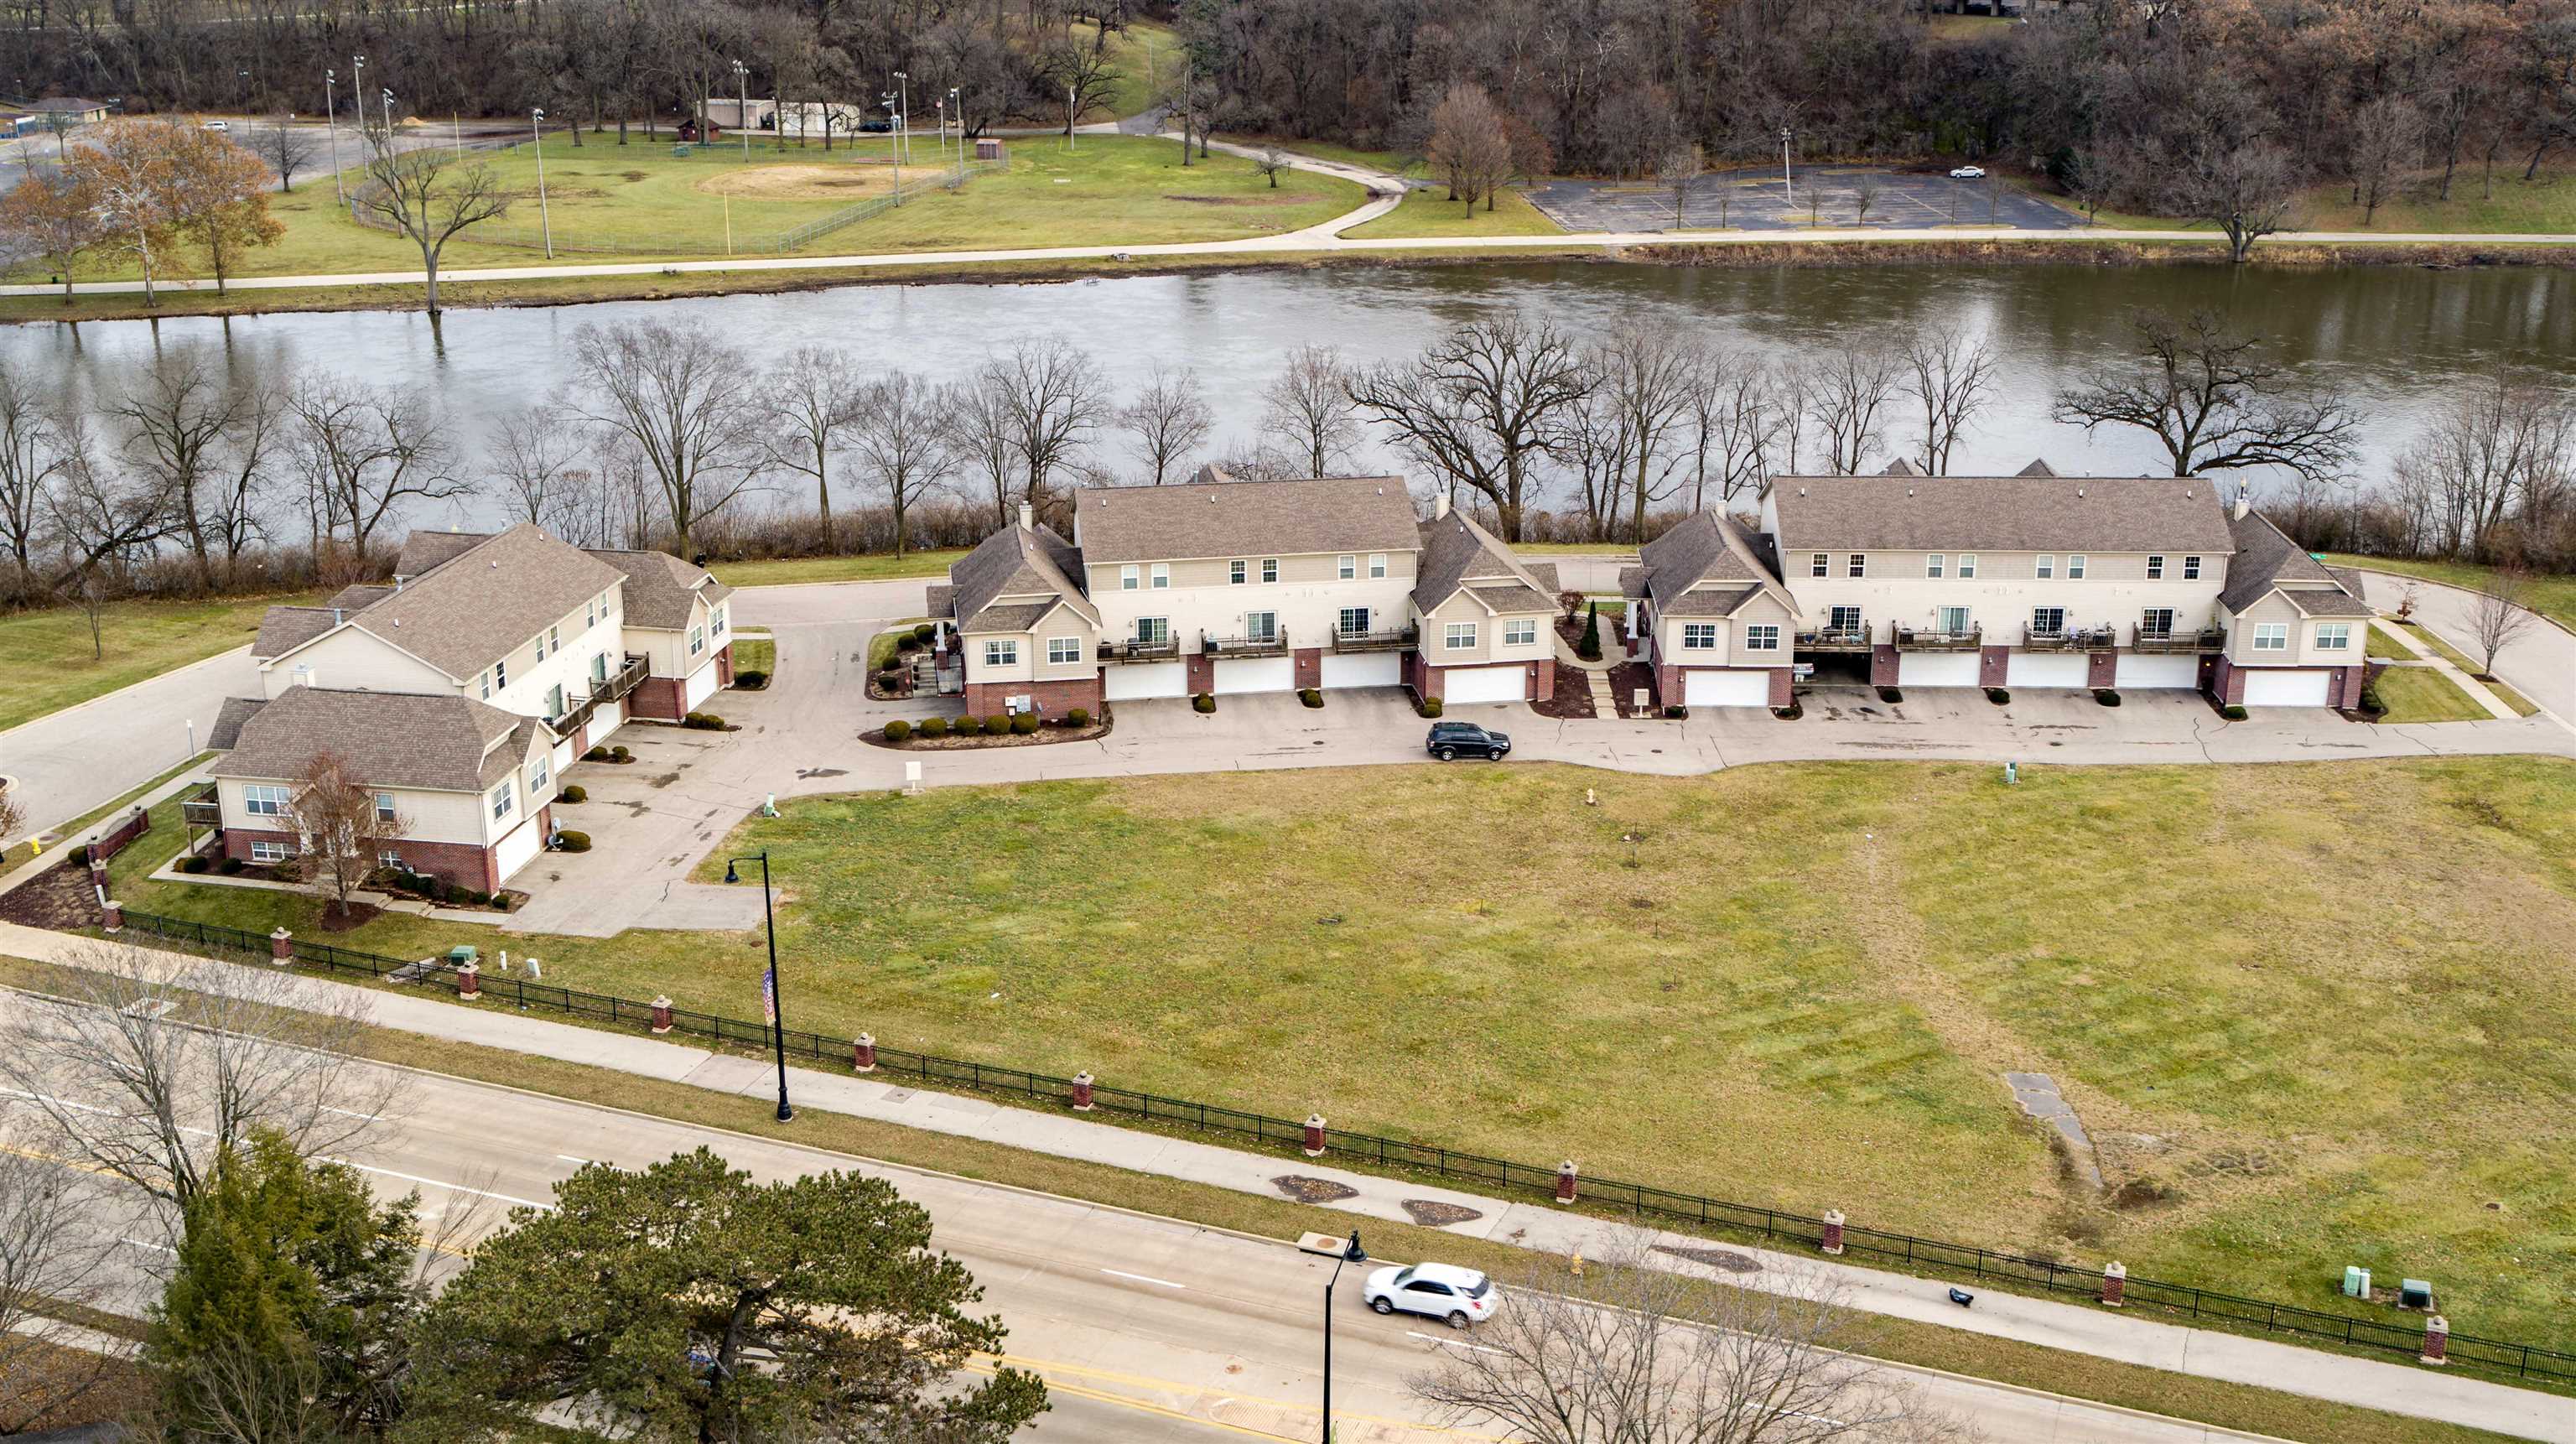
column 1759, row 200
column 2539, row 662
column 73, row 760
column 1144, row 1327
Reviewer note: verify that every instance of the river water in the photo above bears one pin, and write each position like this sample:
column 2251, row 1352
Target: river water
column 2400, row 338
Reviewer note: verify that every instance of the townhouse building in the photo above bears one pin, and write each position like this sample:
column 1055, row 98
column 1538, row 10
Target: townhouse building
column 1222, row 587
column 461, row 690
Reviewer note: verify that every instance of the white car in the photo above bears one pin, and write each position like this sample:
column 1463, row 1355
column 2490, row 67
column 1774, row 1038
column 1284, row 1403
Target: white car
column 219, row 125
column 1439, row 1291
column 1969, row 172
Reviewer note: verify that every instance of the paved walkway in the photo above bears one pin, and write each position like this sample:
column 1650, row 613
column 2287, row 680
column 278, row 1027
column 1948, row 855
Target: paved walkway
column 2428, row 658
column 2128, row 1338
column 2539, row 661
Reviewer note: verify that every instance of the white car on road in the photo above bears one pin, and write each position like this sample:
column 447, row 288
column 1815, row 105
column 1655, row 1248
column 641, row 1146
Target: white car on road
column 1969, row 172
column 219, row 125
column 1439, row 1291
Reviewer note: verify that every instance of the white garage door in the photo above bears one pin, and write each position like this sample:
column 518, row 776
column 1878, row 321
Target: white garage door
column 2047, row 669
column 2144, row 672
column 1707, row 687
column 700, row 687
column 1366, row 669
column 1149, row 679
column 2286, row 689
column 1937, row 669
column 1484, row 684
column 518, row 847
column 1257, row 674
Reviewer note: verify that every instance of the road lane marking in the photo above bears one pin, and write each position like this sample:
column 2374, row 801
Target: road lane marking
column 155, row 1247
column 568, row 1158
column 1142, row 1279
column 58, row 1102
column 1450, row 1343
column 440, row 1183
column 984, row 1363
column 348, row 1113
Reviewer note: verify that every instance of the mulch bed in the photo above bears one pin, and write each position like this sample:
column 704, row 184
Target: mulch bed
column 1313, row 1190
column 1572, row 697
column 1046, row 733
column 58, row 898
column 1726, row 1260
column 359, row 915
column 1431, row 1213
column 1625, row 679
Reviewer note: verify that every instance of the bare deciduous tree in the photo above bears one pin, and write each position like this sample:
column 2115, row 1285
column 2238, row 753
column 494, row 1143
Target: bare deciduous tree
column 1269, row 163
column 2501, row 613
column 1477, row 406
column 2245, row 188
column 2500, row 451
column 37, row 448
column 2387, row 137
column 428, row 195
column 1847, row 391
column 1052, row 400
column 813, row 396
column 534, row 458
column 1950, row 377
column 1865, row 191
column 1170, row 418
column 176, row 409
column 687, row 400
column 343, row 827
column 903, row 437
column 1470, row 146
column 1734, row 425
column 2215, row 404
column 283, row 149
column 1675, row 172
column 1307, row 409
column 55, row 1248
column 1647, row 371
column 366, row 450
column 1656, row 1358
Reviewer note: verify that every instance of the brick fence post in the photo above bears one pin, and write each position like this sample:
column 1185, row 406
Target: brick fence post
column 1314, row 1135
column 2115, row 1284
column 281, row 947
column 469, row 983
column 1565, row 1181
column 863, row 1053
column 661, row 1016
column 1082, row 1092
column 2437, row 1340
column 1833, row 1240
column 112, row 917
column 97, row 877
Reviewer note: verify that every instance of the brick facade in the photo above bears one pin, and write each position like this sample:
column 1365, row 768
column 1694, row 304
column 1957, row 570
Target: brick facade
column 1994, row 664
column 657, row 698
column 1202, row 673
column 461, row 863
column 724, row 665
column 1052, row 699
column 1882, row 665
column 1310, row 666
column 2101, row 669
column 2345, row 690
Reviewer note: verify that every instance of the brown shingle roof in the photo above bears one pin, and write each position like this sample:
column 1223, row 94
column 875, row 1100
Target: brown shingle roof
column 2265, row 558
column 1999, row 513
column 364, row 594
column 390, row 739
column 2326, row 602
column 1706, row 546
column 471, row 610
column 1244, row 519
column 1458, row 553
column 1018, row 561
column 283, row 629
column 660, row 586
column 939, row 599
column 229, row 719
column 424, row 550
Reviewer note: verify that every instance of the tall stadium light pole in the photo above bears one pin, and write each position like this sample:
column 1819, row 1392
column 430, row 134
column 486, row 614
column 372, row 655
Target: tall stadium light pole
column 1787, row 184
column 742, row 116
column 537, row 134
column 331, row 122
column 957, row 103
column 896, row 152
column 903, row 117
column 358, row 101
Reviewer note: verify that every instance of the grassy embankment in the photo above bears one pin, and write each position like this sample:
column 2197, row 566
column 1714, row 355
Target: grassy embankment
column 50, row 653
column 1813, row 952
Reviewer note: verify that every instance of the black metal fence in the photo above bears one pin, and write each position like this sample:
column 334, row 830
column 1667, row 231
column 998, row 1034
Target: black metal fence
column 1906, row 1251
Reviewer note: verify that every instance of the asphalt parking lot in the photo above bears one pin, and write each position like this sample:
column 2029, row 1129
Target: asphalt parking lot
column 1827, row 196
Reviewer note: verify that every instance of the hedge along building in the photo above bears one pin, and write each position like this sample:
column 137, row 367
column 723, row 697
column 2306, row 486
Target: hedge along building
column 564, row 645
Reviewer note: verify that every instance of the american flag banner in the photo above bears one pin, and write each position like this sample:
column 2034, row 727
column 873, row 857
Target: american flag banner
column 769, row 996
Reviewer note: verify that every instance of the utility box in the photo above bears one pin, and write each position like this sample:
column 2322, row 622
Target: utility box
column 461, row 954
column 2356, row 1282
column 987, row 148
column 2414, row 1294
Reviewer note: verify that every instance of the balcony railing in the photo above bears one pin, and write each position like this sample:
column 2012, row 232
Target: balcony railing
column 1395, row 640
column 1273, row 643
column 2069, row 639
column 1854, row 638
column 202, row 809
column 1930, row 639
column 625, row 679
column 1165, row 650
column 2207, row 639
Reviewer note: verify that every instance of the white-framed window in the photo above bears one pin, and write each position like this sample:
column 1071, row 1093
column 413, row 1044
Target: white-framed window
column 1062, row 650
column 1162, row 576
column 716, row 619
column 2155, row 569
column 599, row 666
column 1237, row 573
column 504, row 798
column 1856, row 565
column 2191, row 569
column 1270, row 569
column 1843, row 619
column 501, row 675
column 1346, row 568
column 1354, row 621
column 2048, row 621
column 1820, row 565
column 384, row 807
column 2044, row 566
column 1762, row 637
column 1001, row 652
column 484, row 683
column 1459, row 636
column 541, row 646
column 1153, row 629
column 265, row 801
column 608, row 604
column 1522, row 633
column 1699, row 636
column 1261, row 626
column 2156, row 621
column 1129, row 578
column 391, row 859
column 2075, row 567
column 540, row 772
column 1967, row 566
column 2271, row 636
column 270, row 851
column 697, row 640
column 1953, row 620
column 555, row 701
column 590, row 614
column 1932, row 565
column 1377, row 564
column 2334, row 636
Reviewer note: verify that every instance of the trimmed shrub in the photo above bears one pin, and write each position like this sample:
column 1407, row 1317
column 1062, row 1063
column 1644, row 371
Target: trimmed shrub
column 2232, row 712
column 997, row 724
column 1890, row 695
column 2106, row 696
column 1427, row 707
column 1024, row 725
column 924, row 631
column 192, row 863
column 703, row 722
column 596, row 753
column 479, row 897
column 230, row 866
column 1998, row 696
column 752, row 678
column 1078, row 717
column 1311, row 697
column 933, row 727
column 969, row 725
column 80, row 855
column 898, row 730
column 1204, row 702
column 619, row 753
column 1589, row 649
column 2370, row 703
column 568, row 841
column 1677, row 712
column 908, row 642
column 573, row 793
column 1790, row 713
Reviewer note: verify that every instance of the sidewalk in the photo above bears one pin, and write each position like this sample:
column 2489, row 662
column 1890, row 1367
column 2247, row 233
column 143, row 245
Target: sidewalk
column 2393, row 1387
column 2427, row 657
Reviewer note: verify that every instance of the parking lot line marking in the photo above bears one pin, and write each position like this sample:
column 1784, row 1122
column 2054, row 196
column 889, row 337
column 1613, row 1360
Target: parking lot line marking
column 1142, row 1279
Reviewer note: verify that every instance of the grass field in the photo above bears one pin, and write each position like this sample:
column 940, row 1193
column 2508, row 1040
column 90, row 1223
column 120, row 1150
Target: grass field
column 48, row 649
column 872, row 567
column 2248, row 980
column 755, row 652
column 2544, row 205
column 2421, row 694
column 1147, row 54
column 2521, row 705
column 1425, row 213
column 2377, row 643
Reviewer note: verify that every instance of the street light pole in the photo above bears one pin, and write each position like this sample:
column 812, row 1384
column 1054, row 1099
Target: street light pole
column 957, row 103
column 331, row 122
column 1787, row 183
column 1351, row 1253
column 903, row 117
column 742, row 115
column 769, row 985
column 895, row 151
column 537, row 135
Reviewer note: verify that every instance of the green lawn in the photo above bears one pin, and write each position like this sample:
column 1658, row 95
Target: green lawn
column 2248, row 980
column 2553, row 596
column 870, row 567
column 2421, row 694
column 1147, row 54
column 49, row 649
column 754, row 652
column 2544, row 205
column 1425, row 213
column 2377, row 643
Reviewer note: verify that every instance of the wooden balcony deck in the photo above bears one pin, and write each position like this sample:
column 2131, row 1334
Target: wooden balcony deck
column 1162, row 651
column 1853, row 638
column 1389, row 641
column 2069, row 639
column 1927, row 639
column 2207, row 639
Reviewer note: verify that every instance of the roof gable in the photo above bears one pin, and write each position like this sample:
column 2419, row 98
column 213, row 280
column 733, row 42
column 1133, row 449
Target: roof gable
column 389, row 739
column 1999, row 513
column 479, row 605
column 1331, row 514
column 1026, row 562
column 662, row 591
column 2266, row 560
column 1458, row 555
column 1708, row 551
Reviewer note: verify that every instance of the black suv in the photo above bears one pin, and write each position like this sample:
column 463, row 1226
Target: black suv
column 1451, row 740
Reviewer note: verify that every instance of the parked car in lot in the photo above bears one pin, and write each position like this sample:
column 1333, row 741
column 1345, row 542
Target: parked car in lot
column 1450, row 741
column 1969, row 172
column 1439, row 1291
